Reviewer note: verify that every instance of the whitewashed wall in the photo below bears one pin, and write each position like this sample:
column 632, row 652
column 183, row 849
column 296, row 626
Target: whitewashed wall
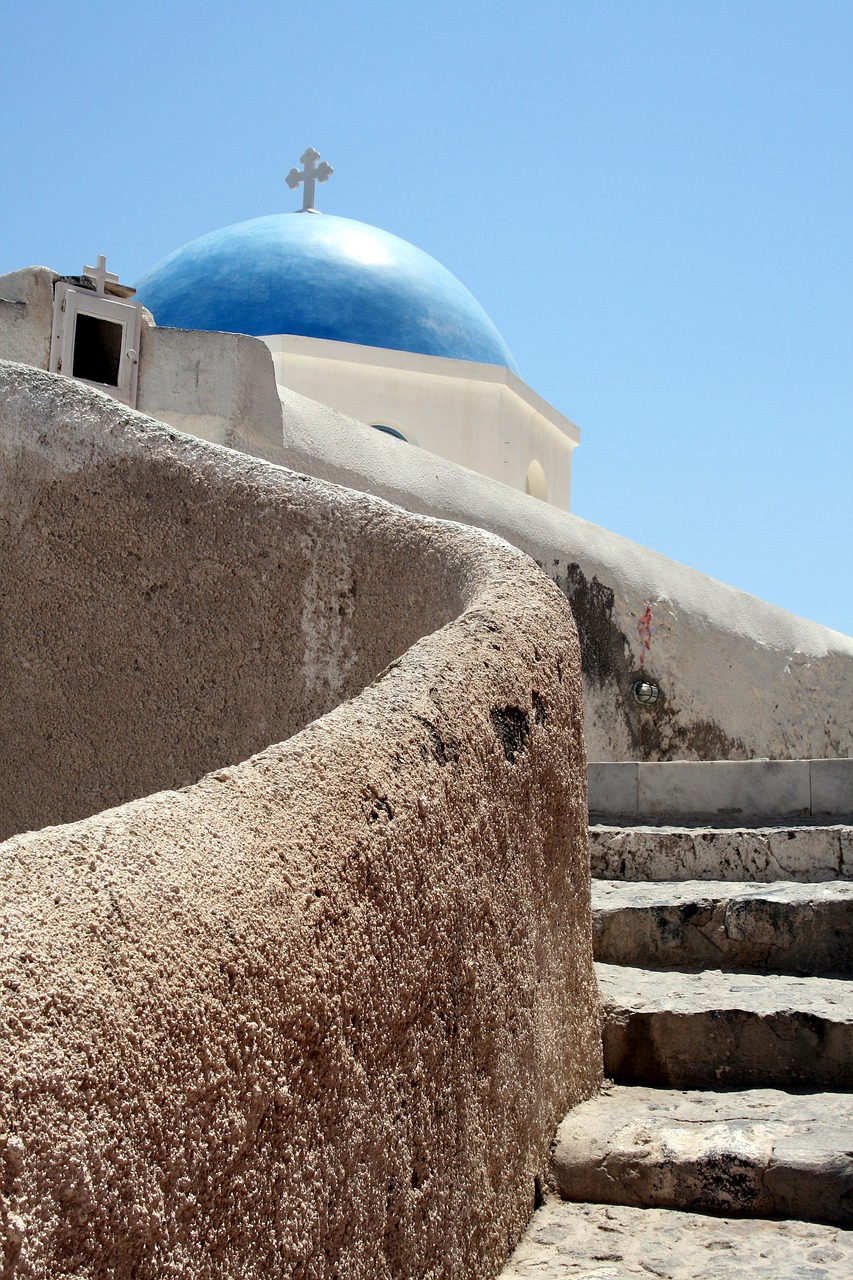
column 740, row 678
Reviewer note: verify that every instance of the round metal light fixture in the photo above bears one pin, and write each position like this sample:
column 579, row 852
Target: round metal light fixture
column 645, row 692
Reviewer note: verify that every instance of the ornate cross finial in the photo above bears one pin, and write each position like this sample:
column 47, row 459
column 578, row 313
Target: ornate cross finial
column 99, row 274
column 309, row 176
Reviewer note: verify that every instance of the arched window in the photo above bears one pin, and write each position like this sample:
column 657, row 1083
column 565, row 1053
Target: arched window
column 389, row 431
column 535, row 482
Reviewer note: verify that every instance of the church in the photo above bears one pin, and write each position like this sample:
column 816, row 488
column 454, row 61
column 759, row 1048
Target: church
column 325, row 344
column 311, row 683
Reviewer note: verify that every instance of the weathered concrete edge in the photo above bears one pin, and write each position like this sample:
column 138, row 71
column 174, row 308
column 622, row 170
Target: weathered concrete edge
column 782, row 928
column 663, row 1148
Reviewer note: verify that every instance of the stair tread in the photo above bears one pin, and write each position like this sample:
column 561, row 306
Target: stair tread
column 760, row 1151
column 786, row 926
column 726, row 1030
column 639, row 894
column 728, row 829
column 617, row 1242
column 650, row 990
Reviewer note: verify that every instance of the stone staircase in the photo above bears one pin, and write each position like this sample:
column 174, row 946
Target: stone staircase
column 722, row 1145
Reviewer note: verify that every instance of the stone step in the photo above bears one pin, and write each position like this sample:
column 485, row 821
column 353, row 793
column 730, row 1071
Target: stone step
column 721, row 792
column 616, row 1242
column 758, row 854
column 726, row 1030
column 784, row 927
column 763, row 1152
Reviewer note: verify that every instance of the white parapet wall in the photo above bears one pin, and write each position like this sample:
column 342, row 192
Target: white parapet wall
column 739, row 677
column 26, row 315
column 217, row 386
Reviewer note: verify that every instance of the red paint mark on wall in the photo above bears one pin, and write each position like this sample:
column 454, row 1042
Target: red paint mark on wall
column 644, row 631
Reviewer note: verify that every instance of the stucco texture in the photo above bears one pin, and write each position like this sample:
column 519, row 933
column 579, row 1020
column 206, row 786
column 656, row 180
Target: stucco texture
column 318, row 1013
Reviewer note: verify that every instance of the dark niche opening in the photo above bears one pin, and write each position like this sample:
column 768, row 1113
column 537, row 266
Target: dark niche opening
column 97, row 349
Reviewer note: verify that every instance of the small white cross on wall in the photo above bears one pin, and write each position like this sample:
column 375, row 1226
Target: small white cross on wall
column 309, row 175
column 99, row 274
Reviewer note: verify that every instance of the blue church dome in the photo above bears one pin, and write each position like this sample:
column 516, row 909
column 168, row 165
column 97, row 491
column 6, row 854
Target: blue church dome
column 321, row 276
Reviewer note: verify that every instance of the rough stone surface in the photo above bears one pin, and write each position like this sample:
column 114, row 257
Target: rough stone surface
column 763, row 1152
column 26, row 315
column 179, row 607
column 789, row 928
column 320, row 1012
column 764, row 854
column 727, row 1030
column 601, row 1242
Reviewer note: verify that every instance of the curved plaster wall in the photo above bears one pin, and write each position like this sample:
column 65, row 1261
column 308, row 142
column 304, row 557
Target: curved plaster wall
column 480, row 416
column 176, row 611
column 318, row 1013
column 740, row 678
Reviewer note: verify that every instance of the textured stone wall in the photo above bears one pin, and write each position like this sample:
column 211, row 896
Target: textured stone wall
column 318, row 1013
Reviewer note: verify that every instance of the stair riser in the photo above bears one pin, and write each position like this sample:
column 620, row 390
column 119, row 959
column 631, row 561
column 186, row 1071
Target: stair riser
column 739, row 934
column 727, row 1049
column 803, row 854
column 721, row 1183
column 763, row 1152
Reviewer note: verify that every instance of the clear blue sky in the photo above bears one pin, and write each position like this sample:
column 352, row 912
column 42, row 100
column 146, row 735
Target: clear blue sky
column 651, row 198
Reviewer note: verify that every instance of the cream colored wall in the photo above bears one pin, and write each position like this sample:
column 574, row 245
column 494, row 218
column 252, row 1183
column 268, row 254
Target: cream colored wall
column 480, row 416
